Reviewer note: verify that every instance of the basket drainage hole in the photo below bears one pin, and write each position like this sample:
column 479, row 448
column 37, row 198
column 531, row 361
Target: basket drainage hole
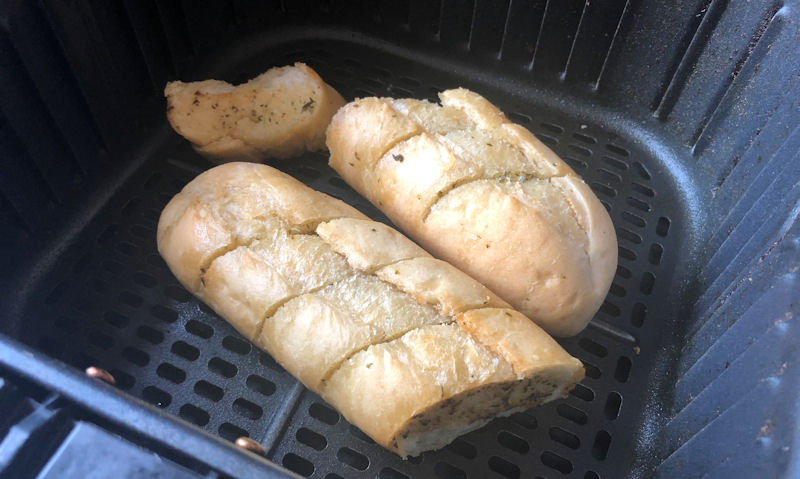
column 592, row 371
column 185, row 350
column 647, row 283
column 513, row 442
column 201, row 330
column 662, row 227
column 463, row 449
column 448, row 471
column 623, row 369
column 592, row 347
column 584, row 138
column 639, row 188
column 297, row 464
column 553, row 128
column 620, row 165
column 260, row 385
column 618, row 150
column 231, row 432
column 549, row 140
column 170, row 373
column 209, row 391
column 194, row 414
column 517, row 117
column 267, row 360
column 627, row 254
column 602, row 189
column 638, row 204
column 638, row 314
column 177, row 293
column 236, row 345
column 136, row 356
column 525, row 420
column 164, row 314
column 564, row 437
column 591, row 475
column 640, row 168
column 610, row 308
column 554, row 461
column 613, row 403
column 602, row 441
column 149, row 334
column 247, row 409
column 323, row 413
column 352, row 458
column 573, row 414
column 124, row 380
column 628, row 235
column 503, row 467
column 221, row 367
column 144, row 279
column 582, row 392
column 156, row 396
column 581, row 150
column 634, row 219
column 389, row 473
column 132, row 300
column 656, row 252
column 101, row 340
column 311, row 439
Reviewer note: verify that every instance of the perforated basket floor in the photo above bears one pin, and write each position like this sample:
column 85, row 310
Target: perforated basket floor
column 113, row 303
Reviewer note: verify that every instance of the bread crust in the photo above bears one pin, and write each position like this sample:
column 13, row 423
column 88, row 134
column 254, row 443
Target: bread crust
column 411, row 350
column 279, row 114
column 485, row 195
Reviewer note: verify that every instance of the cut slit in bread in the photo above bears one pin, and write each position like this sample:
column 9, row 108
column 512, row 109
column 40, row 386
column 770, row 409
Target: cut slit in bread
column 409, row 349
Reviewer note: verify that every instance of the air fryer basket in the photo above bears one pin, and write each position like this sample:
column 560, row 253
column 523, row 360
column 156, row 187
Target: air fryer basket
column 684, row 121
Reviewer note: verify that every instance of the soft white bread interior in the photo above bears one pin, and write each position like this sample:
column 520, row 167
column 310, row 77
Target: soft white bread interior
column 411, row 350
column 278, row 114
column 485, row 195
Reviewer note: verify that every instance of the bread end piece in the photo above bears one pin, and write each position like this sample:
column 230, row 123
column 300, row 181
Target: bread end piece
column 435, row 383
column 279, row 114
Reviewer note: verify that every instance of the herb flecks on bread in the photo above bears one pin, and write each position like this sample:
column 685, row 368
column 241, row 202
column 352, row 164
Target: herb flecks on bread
column 485, row 195
column 409, row 349
column 279, row 114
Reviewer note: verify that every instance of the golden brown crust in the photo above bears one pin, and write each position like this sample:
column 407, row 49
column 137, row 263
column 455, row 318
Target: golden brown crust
column 281, row 113
column 488, row 197
column 332, row 295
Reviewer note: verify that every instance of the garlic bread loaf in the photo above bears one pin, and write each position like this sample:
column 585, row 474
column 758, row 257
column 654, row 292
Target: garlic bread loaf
column 485, row 195
column 408, row 348
column 279, row 114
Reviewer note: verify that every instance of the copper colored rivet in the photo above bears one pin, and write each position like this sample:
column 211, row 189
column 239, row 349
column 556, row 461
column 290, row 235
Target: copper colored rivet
column 101, row 374
column 251, row 445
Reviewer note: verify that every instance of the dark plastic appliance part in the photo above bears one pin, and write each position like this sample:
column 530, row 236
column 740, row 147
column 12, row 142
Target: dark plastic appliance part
column 683, row 117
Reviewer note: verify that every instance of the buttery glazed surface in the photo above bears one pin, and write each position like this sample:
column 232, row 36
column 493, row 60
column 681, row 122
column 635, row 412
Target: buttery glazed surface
column 408, row 348
column 484, row 195
column 279, row 114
